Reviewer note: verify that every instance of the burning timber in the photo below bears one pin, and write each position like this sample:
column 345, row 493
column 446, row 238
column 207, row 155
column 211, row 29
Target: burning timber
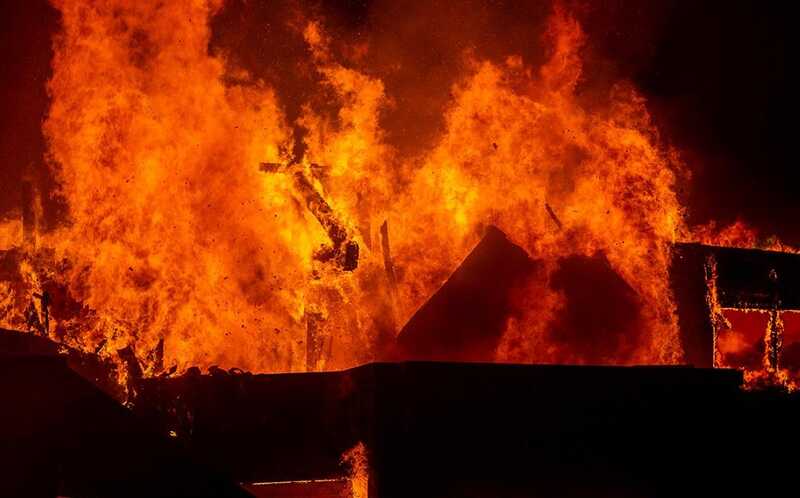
column 344, row 250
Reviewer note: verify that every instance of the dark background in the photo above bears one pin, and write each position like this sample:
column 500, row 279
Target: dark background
column 716, row 76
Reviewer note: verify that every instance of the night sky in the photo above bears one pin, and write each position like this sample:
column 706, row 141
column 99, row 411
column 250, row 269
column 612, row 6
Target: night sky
column 716, row 76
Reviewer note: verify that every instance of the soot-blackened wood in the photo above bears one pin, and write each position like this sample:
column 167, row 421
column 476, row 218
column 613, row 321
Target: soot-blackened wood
column 464, row 320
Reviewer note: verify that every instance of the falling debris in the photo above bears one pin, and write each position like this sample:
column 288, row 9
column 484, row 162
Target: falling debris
column 553, row 215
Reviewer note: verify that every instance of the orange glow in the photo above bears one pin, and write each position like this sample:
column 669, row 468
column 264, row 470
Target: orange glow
column 356, row 460
column 737, row 234
column 10, row 234
column 177, row 236
column 741, row 344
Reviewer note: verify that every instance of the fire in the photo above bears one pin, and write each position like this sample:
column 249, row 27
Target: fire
column 520, row 143
column 174, row 232
column 355, row 459
column 180, row 246
column 10, row 233
column 737, row 234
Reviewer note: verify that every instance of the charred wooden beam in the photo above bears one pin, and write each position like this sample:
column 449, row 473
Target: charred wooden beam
column 344, row 250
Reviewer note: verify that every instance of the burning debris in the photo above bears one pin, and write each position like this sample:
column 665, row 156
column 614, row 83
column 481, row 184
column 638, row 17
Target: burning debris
column 343, row 252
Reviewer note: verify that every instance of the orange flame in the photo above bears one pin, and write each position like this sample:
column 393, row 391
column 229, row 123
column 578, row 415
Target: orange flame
column 358, row 470
column 176, row 235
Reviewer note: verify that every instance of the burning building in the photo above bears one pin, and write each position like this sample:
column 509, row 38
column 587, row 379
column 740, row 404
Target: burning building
column 301, row 271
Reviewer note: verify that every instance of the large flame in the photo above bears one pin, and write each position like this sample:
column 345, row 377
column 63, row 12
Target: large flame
column 178, row 241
